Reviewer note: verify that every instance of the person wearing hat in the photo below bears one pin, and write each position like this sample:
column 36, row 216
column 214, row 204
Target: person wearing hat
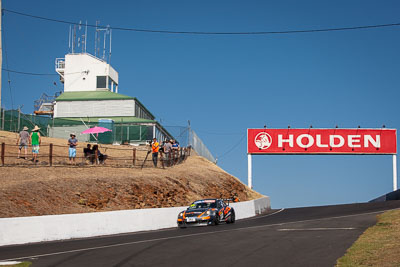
column 35, row 141
column 72, row 142
column 23, row 140
column 167, row 151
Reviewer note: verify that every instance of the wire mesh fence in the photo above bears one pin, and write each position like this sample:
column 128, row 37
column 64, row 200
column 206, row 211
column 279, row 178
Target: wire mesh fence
column 186, row 136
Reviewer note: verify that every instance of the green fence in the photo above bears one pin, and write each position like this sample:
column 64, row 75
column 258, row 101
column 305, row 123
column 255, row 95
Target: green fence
column 14, row 121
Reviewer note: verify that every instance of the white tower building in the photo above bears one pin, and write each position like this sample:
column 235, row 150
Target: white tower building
column 84, row 72
column 91, row 97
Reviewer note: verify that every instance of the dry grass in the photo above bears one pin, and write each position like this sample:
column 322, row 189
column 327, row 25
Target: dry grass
column 378, row 245
column 29, row 190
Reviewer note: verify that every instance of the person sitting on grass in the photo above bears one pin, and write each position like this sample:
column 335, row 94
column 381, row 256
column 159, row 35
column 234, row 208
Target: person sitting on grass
column 101, row 158
column 88, row 153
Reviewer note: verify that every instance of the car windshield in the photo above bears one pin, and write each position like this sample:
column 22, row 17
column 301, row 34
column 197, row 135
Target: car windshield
column 203, row 204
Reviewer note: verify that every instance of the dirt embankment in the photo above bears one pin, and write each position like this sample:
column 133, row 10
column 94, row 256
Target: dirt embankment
column 41, row 190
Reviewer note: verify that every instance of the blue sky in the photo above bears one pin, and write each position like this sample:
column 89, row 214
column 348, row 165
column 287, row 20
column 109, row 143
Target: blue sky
column 226, row 84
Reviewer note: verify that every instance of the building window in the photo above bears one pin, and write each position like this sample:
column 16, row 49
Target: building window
column 101, row 82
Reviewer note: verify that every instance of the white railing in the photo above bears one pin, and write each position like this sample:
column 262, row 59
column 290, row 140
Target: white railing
column 60, row 63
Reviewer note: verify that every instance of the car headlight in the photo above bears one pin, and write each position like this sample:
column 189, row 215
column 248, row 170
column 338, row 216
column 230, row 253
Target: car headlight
column 209, row 212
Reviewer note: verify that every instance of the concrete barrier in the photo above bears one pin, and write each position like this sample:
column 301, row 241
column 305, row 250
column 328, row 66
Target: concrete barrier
column 22, row 230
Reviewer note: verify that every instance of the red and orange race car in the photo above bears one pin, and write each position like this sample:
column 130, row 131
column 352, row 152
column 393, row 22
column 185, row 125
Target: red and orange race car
column 206, row 212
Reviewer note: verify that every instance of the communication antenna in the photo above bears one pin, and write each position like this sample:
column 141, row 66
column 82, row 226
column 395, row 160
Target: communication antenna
column 106, row 32
column 85, row 36
column 69, row 38
column 109, row 55
column 73, row 39
column 96, row 39
column 76, row 38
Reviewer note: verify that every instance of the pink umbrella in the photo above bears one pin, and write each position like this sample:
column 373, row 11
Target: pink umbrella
column 96, row 130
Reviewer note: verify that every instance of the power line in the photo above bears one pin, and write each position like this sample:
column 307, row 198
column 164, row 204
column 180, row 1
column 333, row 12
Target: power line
column 41, row 74
column 212, row 33
column 30, row 73
column 215, row 133
column 233, row 147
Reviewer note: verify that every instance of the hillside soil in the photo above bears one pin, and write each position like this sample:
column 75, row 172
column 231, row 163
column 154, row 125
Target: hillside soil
column 32, row 190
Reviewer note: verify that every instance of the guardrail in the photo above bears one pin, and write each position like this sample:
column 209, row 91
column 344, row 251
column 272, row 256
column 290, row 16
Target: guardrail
column 23, row 230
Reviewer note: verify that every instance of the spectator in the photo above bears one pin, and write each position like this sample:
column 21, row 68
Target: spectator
column 72, row 142
column 155, row 147
column 100, row 157
column 175, row 145
column 35, row 140
column 23, row 140
column 175, row 150
column 88, row 153
column 167, row 151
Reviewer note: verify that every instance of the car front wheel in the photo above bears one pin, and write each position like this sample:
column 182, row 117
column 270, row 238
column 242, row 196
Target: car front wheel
column 231, row 219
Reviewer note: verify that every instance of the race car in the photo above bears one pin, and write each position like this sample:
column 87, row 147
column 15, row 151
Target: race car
column 206, row 212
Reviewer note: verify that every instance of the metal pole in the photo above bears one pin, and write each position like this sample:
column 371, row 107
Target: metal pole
column 109, row 57
column 249, row 169
column 3, row 149
column 394, row 172
column 85, row 36
column 2, row 116
column 19, row 118
column 133, row 156
column 1, row 53
column 51, row 154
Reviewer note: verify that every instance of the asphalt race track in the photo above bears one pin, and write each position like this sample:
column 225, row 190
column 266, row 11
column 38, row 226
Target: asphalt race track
column 315, row 236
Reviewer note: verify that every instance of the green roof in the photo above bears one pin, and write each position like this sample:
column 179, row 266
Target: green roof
column 92, row 95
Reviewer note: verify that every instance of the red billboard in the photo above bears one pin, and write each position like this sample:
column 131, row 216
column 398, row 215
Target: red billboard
column 322, row 141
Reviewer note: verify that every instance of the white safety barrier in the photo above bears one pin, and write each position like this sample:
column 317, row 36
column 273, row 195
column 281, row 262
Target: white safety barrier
column 22, row 230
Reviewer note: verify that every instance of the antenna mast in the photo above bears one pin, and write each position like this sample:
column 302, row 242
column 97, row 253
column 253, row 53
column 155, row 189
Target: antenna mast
column 96, row 38
column 109, row 57
column 85, row 36
column 107, row 31
column 69, row 39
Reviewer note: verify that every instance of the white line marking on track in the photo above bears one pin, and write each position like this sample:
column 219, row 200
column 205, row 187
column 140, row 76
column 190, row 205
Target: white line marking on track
column 191, row 235
column 262, row 216
column 315, row 229
column 4, row 263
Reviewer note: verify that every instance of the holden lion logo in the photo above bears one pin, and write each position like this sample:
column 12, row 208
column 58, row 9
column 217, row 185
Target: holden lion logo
column 263, row 140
